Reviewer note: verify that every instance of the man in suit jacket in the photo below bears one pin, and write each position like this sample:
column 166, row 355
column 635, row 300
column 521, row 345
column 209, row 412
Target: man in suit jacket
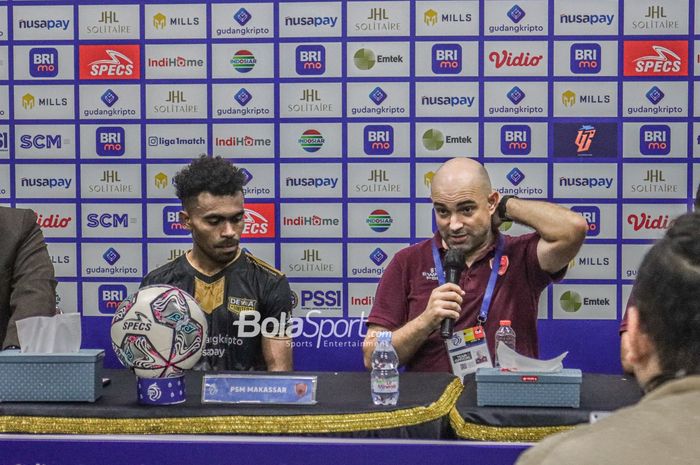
column 27, row 284
column 663, row 331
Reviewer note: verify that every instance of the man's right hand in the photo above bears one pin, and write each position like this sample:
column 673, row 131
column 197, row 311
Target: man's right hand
column 445, row 302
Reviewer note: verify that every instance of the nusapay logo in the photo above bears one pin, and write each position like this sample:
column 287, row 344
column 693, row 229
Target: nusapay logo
column 656, row 58
column 110, row 62
column 259, row 220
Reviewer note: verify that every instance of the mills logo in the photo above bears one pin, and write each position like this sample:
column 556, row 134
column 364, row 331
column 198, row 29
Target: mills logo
column 311, row 140
column 656, row 58
column 379, row 220
column 516, row 139
column 592, row 216
column 43, row 62
column 585, row 58
column 109, row 141
column 310, row 60
column 110, row 62
column 160, row 180
column 243, row 61
column 28, row 101
column 379, row 139
column 655, row 139
column 446, row 58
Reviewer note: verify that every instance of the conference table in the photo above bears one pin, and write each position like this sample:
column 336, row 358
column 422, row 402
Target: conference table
column 436, row 416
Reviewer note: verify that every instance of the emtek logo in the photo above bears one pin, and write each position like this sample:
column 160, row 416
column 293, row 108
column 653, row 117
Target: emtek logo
column 592, row 216
column 570, row 301
column 585, row 59
column 310, row 59
column 109, row 141
column 109, row 296
column 447, row 58
column 655, row 139
column 379, row 139
column 43, row 62
column 515, row 139
column 171, row 221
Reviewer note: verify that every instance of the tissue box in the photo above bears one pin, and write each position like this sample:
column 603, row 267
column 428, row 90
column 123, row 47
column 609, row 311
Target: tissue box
column 528, row 388
column 67, row 377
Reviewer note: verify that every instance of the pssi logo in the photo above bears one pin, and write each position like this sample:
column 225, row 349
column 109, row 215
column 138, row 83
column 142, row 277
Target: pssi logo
column 259, row 220
column 592, row 216
column 43, row 62
column 655, row 139
column 310, row 59
column 516, row 139
column 447, row 58
column 110, row 62
column 656, row 58
column 585, row 58
column 379, row 139
column 109, row 141
column 171, row 221
column 321, row 298
column 109, row 296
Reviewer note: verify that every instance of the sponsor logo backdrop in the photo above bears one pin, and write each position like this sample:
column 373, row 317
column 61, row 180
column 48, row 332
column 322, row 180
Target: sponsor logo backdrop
column 340, row 112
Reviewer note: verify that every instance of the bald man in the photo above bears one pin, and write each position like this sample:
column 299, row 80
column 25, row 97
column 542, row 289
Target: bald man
column 411, row 302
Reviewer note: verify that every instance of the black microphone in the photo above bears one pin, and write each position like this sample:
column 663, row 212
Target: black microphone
column 453, row 266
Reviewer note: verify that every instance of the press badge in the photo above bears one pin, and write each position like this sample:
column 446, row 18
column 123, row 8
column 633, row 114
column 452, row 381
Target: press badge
column 468, row 351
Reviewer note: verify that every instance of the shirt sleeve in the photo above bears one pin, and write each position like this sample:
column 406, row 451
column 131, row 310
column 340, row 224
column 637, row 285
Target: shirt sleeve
column 278, row 299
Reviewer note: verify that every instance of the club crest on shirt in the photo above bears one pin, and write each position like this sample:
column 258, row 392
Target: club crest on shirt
column 504, row 265
column 209, row 296
column 430, row 275
column 241, row 304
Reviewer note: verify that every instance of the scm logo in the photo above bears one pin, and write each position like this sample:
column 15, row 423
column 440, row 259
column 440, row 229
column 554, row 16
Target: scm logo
column 107, row 220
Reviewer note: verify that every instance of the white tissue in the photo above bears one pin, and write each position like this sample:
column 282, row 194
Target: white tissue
column 50, row 334
column 511, row 360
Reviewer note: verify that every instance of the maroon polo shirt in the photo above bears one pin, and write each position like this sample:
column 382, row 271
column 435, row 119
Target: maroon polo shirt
column 407, row 282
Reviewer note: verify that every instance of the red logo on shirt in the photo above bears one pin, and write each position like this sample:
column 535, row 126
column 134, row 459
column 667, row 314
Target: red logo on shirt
column 503, row 266
column 259, row 220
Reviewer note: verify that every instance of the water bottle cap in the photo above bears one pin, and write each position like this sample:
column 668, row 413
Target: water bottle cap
column 505, row 322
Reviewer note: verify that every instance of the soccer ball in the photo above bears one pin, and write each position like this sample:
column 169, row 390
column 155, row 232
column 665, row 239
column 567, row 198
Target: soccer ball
column 159, row 331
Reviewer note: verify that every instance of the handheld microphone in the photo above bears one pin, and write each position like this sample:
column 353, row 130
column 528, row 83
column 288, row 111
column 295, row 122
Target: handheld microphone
column 453, row 266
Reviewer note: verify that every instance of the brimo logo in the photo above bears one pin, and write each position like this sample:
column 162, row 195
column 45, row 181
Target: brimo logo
column 249, row 324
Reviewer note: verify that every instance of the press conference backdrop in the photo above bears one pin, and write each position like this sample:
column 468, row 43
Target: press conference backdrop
column 339, row 113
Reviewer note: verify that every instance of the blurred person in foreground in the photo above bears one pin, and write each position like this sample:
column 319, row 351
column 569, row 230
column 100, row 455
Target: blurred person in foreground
column 663, row 349
column 27, row 283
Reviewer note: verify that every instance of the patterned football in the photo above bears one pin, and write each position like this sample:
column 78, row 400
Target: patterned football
column 159, row 331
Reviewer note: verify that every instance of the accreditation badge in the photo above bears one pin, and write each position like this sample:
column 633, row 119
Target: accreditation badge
column 468, row 351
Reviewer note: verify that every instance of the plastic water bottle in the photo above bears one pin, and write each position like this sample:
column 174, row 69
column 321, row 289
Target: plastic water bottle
column 506, row 335
column 385, row 371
